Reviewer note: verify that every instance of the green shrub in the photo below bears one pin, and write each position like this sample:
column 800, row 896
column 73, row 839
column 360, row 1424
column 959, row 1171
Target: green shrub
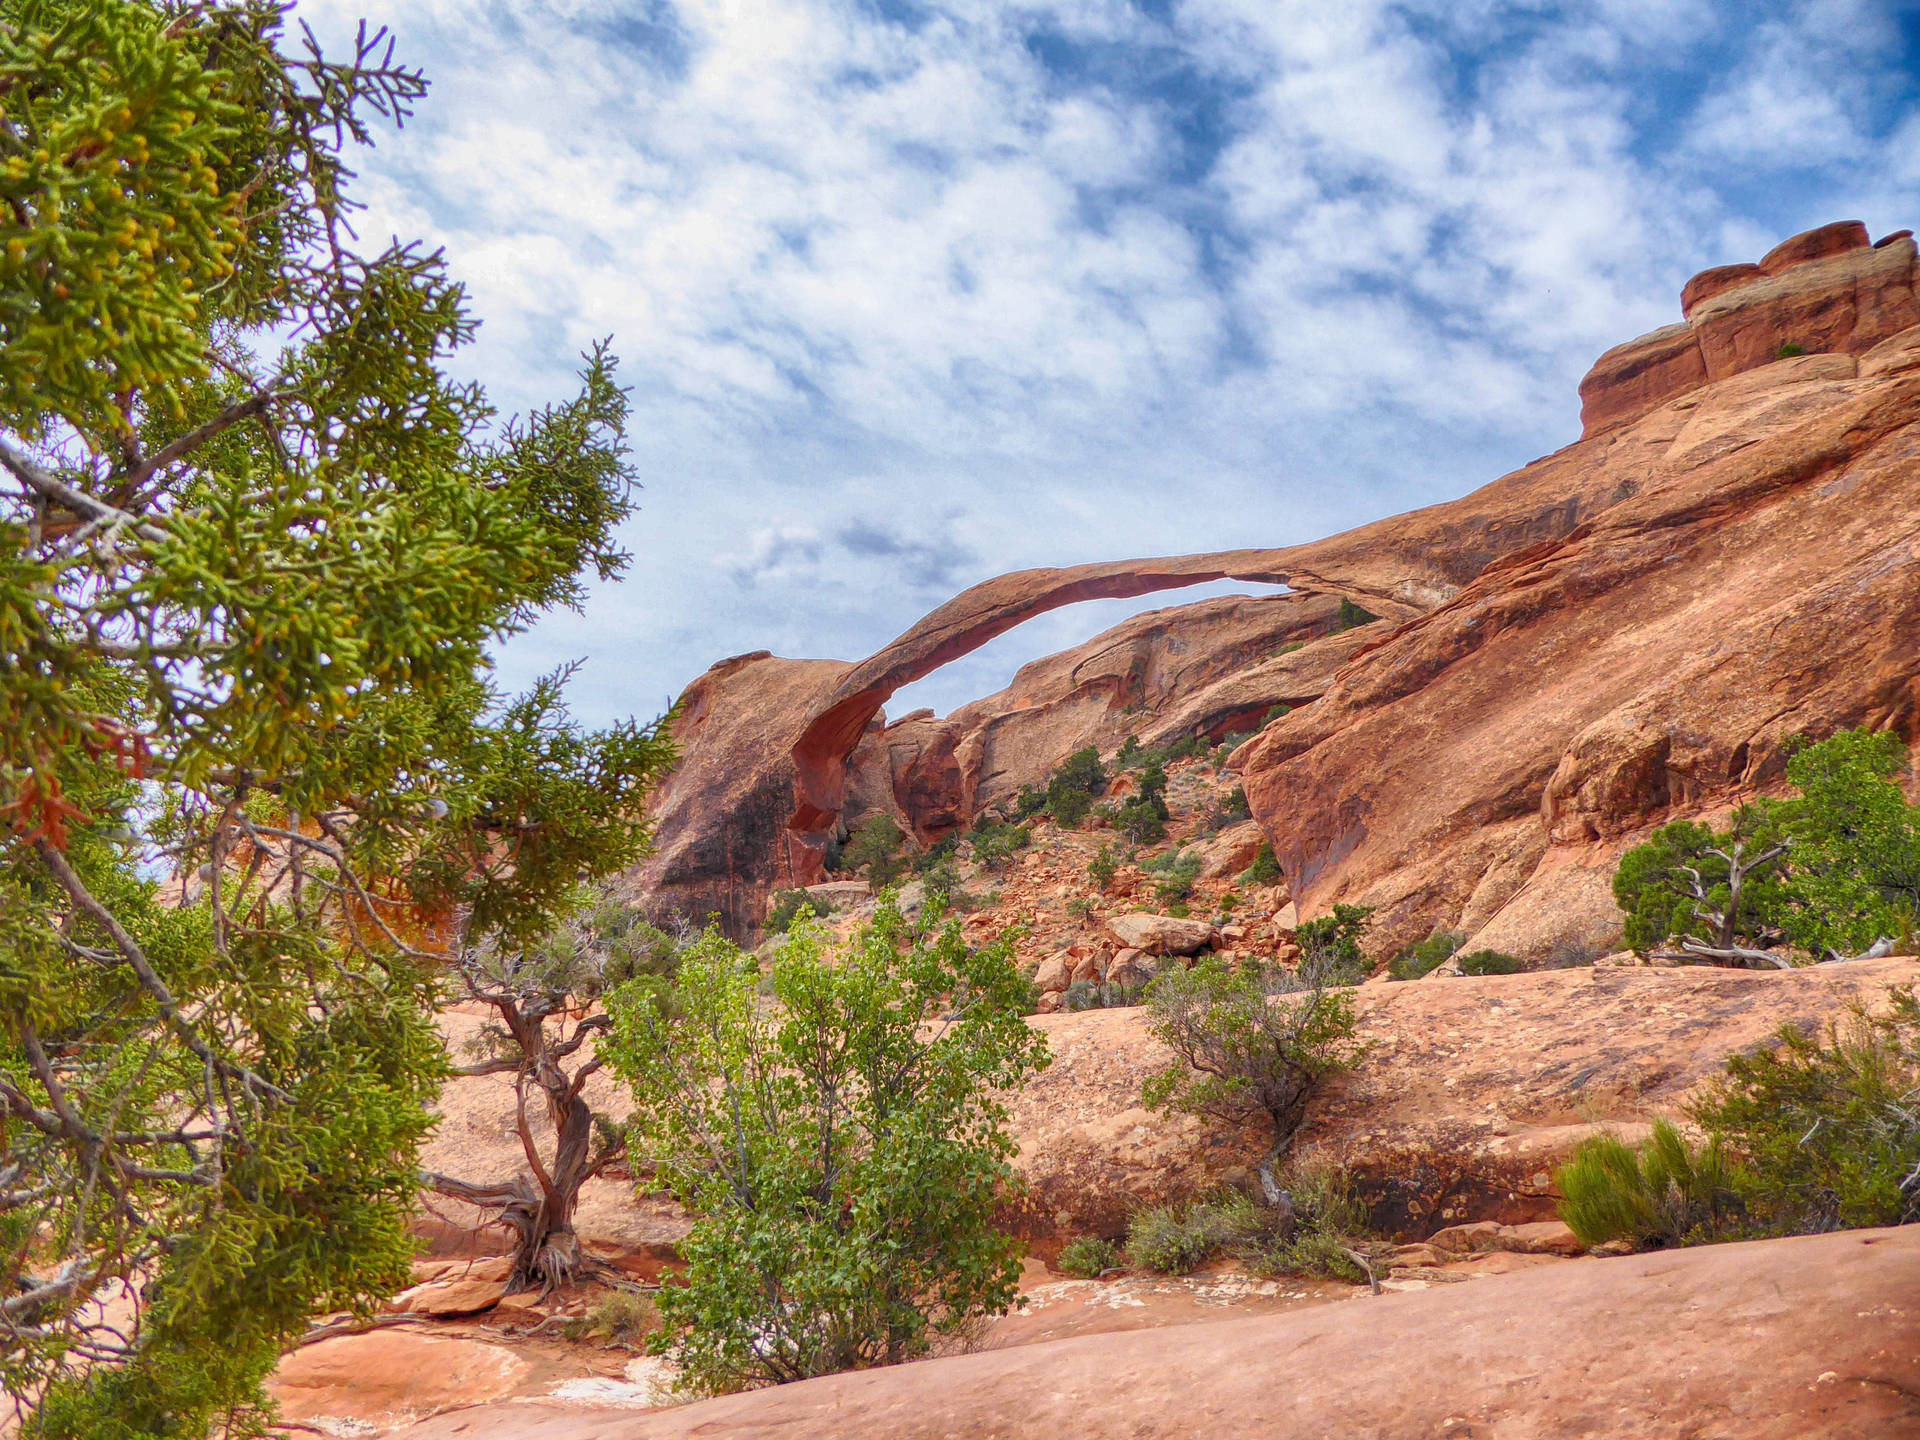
column 1087, row 1257
column 1351, row 615
column 1081, row 909
column 1256, row 1041
column 847, row 1216
column 1103, row 867
column 995, row 842
column 1144, row 822
column 939, row 853
column 622, row 1318
column 1132, row 756
column 1789, row 350
column 1424, row 957
column 1665, row 1193
column 1072, row 788
column 787, row 904
column 1178, row 879
column 875, row 847
column 942, row 883
column 1825, row 1126
column 1833, row 871
column 1265, row 869
column 1178, row 1239
column 1327, row 1224
column 1490, row 962
column 1031, row 801
column 1276, row 712
column 1092, row 995
column 1330, row 951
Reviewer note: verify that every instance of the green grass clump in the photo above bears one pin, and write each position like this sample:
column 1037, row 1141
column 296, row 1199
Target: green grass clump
column 1426, row 956
column 1490, row 962
column 1666, row 1192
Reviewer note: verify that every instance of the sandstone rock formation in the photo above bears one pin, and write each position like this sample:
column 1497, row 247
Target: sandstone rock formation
column 1811, row 1338
column 1627, row 630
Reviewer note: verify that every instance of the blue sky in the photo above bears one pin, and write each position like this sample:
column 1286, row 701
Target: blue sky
column 913, row 293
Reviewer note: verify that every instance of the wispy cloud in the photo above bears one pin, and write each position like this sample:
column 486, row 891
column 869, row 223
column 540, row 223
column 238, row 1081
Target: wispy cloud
column 910, row 292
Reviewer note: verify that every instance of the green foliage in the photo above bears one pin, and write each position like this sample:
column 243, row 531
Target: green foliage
column 1081, row 908
column 623, row 1317
column 941, row 852
column 1854, row 845
column 1179, row 1239
column 1132, row 755
column 942, row 884
column 1352, row 616
column 1665, row 1193
column 1788, row 350
column 1825, row 1127
column 1330, row 951
column 995, row 842
column 256, row 547
column 1252, row 1041
column 1177, row 879
column 1103, row 867
column 1087, row 1257
column 787, row 906
column 1031, row 801
column 1071, row 790
column 875, row 848
column 1142, row 817
column 842, row 1159
column 1424, row 957
column 1490, row 962
column 1325, row 1224
column 1832, row 871
column 1265, row 869
column 1274, row 714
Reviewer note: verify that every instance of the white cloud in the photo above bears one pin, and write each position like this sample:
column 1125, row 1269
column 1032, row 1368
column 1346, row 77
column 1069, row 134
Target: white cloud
column 1020, row 287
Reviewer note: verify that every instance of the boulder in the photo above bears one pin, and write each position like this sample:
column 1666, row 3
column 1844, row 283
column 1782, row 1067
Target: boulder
column 1834, row 239
column 1160, row 934
column 1709, row 283
column 1055, row 973
column 1130, row 969
column 1231, row 851
column 387, row 1378
column 446, row 1298
column 841, row 894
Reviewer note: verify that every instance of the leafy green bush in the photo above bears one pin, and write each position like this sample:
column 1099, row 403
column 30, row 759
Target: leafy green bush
column 787, row 904
column 1330, row 951
column 1178, row 879
column 1256, row 1041
column 941, row 852
column 1142, row 821
column 1825, row 1127
column 1351, row 615
column 875, row 848
column 941, row 884
column 1788, row 350
column 1490, row 962
column 1087, row 1257
column 1326, row 1223
column 1425, row 956
column 1132, row 756
column 1031, row 801
column 1834, row 871
column 1103, row 867
column 1665, row 1193
column 1095, row 995
column 1178, row 1239
column 846, row 1217
column 995, row 842
column 1072, row 788
column 1276, row 712
column 1265, row 869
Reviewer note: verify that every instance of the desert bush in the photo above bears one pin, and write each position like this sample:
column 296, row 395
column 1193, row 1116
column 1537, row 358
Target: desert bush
column 622, row 1318
column 1276, row 712
column 787, row 905
column 941, row 852
column 1081, row 908
column 1568, row 954
column 846, row 1216
column 1252, row 1042
column 1330, row 951
column 1031, row 801
column 1325, row 1226
column 1103, row 867
column 1132, row 755
column 995, row 842
column 1142, row 821
column 1666, row 1192
column 941, row 884
column 1788, row 350
column 1087, row 1257
column 1352, row 615
column 1826, row 1127
column 1834, row 871
column 1265, row 869
column 1072, row 788
column 1178, row 1239
column 1177, row 879
column 1490, row 962
column 1425, row 956
column 875, row 848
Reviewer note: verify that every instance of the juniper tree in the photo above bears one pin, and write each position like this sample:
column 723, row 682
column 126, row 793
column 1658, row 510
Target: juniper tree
column 254, row 546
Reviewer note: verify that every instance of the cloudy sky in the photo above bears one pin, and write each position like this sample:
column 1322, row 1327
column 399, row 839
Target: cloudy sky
column 913, row 292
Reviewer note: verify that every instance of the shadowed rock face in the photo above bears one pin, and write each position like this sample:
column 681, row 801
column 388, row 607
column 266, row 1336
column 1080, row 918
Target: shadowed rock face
column 1810, row 1338
column 1620, row 632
